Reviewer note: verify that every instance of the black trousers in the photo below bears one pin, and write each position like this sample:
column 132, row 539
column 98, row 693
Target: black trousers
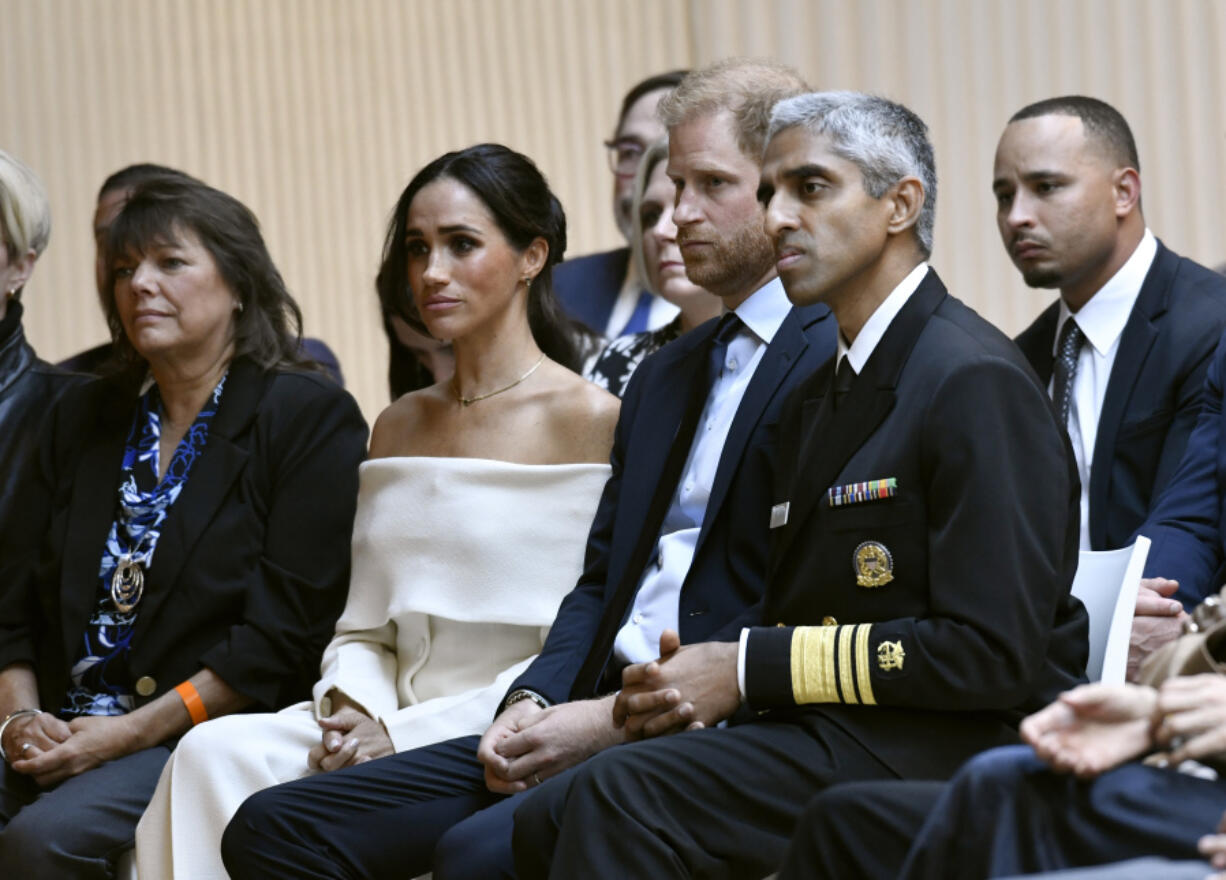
column 719, row 803
column 79, row 828
column 859, row 831
column 373, row 820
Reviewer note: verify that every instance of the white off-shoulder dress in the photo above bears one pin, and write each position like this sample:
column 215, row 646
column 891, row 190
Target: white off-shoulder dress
column 459, row 566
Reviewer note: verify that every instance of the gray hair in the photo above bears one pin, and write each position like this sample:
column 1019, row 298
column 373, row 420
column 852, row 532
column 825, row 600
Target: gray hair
column 25, row 212
column 885, row 140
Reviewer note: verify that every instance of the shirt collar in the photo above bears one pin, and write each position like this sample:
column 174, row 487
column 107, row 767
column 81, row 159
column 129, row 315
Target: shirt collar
column 1102, row 319
column 765, row 310
column 879, row 321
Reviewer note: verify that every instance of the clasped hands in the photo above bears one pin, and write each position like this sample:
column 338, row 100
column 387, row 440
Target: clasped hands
column 350, row 736
column 1095, row 727
column 685, row 688
column 50, row 750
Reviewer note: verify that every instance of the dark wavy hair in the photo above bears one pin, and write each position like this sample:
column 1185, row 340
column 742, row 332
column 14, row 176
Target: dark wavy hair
column 268, row 329
column 524, row 208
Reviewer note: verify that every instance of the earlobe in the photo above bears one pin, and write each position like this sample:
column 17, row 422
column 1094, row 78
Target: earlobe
column 535, row 256
column 907, row 200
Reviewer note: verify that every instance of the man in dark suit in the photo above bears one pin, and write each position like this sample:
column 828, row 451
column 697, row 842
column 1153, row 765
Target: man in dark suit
column 679, row 541
column 602, row 290
column 917, row 597
column 1125, row 349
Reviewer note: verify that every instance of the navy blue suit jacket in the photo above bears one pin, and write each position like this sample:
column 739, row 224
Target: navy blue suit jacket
column 727, row 577
column 1186, row 525
column 587, row 287
column 1153, row 395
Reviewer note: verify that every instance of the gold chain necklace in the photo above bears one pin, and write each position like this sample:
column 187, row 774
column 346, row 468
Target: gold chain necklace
column 469, row 401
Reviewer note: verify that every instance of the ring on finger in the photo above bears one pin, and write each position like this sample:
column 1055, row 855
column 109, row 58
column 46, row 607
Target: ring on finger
column 25, row 747
column 536, row 777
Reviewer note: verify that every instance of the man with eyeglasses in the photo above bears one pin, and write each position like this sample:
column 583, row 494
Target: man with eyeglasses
column 602, row 290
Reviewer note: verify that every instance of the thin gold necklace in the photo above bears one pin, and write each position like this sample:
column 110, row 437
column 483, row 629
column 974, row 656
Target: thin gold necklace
column 469, row 401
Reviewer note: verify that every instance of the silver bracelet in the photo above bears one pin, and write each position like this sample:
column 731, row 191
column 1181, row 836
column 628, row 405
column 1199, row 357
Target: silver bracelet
column 10, row 718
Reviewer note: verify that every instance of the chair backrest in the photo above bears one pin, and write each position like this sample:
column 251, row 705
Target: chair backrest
column 1106, row 583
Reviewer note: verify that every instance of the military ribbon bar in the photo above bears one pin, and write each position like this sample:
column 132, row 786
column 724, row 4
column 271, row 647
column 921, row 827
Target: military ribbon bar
column 855, row 493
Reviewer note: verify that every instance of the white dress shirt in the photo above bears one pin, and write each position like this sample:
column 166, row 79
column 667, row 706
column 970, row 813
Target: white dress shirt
column 657, row 601
column 1102, row 320
column 858, row 353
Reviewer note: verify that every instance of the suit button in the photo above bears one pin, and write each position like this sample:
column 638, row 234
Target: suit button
column 829, row 621
column 146, row 685
column 781, row 623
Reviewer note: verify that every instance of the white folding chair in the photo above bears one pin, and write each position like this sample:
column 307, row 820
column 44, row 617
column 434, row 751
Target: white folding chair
column 1106, row 583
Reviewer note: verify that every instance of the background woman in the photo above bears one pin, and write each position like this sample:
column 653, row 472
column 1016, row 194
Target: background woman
column 183, row 542
column 27, row 385
column 653, row 247
column 473, row 515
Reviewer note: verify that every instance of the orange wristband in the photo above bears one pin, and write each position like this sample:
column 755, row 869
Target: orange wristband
column 191, row 700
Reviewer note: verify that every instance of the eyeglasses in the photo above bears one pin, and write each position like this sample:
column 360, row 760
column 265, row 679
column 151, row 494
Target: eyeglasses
column 624, row 156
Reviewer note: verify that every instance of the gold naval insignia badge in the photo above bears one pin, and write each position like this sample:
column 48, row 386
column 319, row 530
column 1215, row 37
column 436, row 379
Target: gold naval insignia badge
column 873, row 564
column 890, row 656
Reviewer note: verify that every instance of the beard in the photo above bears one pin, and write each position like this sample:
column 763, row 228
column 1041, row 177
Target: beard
column 734, row 262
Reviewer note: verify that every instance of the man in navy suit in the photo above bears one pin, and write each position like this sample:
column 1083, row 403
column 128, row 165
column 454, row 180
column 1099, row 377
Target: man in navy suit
column 678, row 545
column 602, row 290
column 1125, row 349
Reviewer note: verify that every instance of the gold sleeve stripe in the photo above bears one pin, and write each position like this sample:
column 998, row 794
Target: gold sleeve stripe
column 847, row 675
column 863, row 674
column 830, row 664
column 813, row 678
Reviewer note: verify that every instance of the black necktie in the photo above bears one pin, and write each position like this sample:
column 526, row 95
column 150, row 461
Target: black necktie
column 1064, row 370
column 843, row 377
column 588, row 681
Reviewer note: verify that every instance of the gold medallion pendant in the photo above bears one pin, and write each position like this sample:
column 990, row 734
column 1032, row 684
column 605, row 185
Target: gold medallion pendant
column 127, row 583
column 873, row 564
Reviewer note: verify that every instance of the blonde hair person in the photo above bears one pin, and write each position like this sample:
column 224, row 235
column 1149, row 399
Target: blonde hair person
column 28, row 385
column 657, row 260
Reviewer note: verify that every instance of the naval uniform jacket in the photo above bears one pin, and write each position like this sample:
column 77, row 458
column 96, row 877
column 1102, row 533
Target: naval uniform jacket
column 1154, row 394
column 252, row 566
column 963, row 622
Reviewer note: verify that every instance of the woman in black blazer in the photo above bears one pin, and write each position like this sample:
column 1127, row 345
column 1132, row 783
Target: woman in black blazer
column 216, row 481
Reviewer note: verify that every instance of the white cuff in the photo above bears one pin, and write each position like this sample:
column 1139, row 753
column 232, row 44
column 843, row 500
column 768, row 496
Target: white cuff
column 740, row 662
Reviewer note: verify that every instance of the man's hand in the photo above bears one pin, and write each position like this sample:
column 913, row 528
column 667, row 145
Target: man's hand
column 1092, row 728
column 1158, row 619
column 1213, row 847
column 350, row 736
column 689, row 687
column 506, row 725
column 91, row 741
column 546, row 742
column 1193, row 713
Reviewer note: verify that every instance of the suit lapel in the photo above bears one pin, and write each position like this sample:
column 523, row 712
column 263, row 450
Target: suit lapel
column 1038, row 341
column 777, row 361
column 91, row 512
column 834, row 436
column 210, row 481
column 1136, row 341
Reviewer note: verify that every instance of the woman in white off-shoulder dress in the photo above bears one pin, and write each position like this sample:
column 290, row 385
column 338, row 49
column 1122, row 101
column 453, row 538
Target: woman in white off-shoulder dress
column 473, row 512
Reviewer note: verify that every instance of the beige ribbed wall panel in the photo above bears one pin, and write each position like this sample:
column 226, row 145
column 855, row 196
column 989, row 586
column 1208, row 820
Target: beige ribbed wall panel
column 316, row 113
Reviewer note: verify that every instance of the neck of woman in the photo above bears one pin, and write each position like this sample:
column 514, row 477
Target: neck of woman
column 488, row 361
column 185, row 387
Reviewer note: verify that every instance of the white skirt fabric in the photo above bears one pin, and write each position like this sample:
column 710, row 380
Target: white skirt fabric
column 458, row 569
